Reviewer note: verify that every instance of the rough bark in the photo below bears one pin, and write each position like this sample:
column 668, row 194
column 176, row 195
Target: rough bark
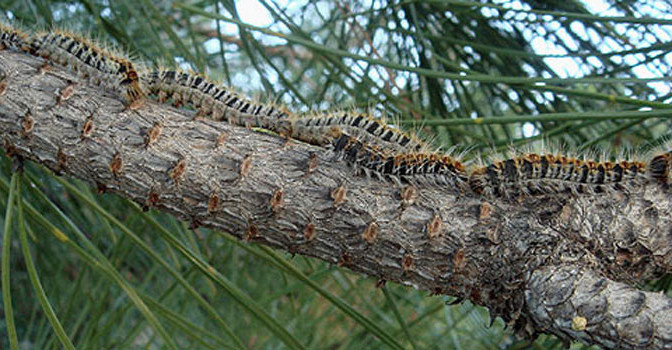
column 545, row 264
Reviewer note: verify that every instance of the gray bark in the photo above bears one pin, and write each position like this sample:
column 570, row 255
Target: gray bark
column 544, row 264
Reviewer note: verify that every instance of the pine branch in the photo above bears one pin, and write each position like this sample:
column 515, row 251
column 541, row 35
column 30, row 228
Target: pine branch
column 535, row 262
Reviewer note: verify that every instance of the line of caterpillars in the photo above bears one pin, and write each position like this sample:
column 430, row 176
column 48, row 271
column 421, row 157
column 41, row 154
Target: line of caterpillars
column 370, row 145
column 222, row 103
column 519, row 175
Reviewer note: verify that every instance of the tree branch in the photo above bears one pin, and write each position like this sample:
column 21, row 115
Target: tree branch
column 534, row 262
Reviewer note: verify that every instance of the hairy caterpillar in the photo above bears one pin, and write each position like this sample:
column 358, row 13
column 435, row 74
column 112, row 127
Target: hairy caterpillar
column 413, row 167
column 218, row 101
column 659, row 168
column 13, row 39
column 533, row 173
column 324, row 129
column 99, row 65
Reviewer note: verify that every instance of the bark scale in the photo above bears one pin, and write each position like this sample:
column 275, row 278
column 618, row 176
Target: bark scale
column 566, row 265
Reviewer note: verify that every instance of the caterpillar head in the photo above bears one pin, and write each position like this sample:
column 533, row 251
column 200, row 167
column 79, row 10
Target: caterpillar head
column 660, row 168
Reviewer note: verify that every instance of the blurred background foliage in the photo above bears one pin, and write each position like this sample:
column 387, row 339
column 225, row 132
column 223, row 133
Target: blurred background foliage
column 94, row 271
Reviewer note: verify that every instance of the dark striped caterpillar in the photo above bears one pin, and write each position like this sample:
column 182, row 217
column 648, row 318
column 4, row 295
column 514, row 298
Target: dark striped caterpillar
column 13, row 39
column 533, row 174
column 659, row 168
column 221, row 103
column 412, row 167
column 323, row 129
column 98, row 65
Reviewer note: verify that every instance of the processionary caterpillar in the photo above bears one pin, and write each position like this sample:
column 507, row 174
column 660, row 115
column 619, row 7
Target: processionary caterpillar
column 99, row 65
column 13, row 39
column 218, row 101
column 660, row 169
column 412, row 167
column 324, row 129
column 533, row 174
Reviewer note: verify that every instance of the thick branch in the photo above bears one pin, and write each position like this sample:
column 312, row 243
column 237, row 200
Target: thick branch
column 574, row 303
column 261, row 188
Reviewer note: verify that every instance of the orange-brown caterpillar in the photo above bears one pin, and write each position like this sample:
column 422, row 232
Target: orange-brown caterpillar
column 220, row 102
column 13, row 39
column 533, row 173
column 413, row 167
column 98, row 65
column 323, row 129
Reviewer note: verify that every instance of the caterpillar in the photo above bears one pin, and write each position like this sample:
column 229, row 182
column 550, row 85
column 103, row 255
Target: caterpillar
column 413, row 167
column 532, row 174
column 13, row 39
column 659, row 169
column 324, row 129
column 98, row 65
column 217, row 101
